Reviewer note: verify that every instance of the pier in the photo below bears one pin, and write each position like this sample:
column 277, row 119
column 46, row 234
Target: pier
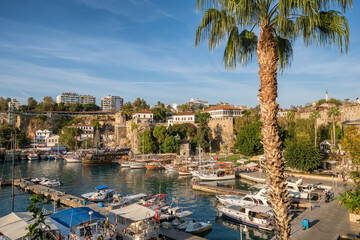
column 74, row 201
column 219, row 190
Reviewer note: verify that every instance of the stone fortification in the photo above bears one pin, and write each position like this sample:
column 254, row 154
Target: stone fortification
column 222, row 132
column 346, row 113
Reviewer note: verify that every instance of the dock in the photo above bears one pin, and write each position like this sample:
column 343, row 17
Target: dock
column 219, row 190
column 74, row 201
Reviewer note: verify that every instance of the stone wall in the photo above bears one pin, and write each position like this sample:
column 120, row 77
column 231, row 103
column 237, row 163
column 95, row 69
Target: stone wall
column 222, row 132
column 346, row 113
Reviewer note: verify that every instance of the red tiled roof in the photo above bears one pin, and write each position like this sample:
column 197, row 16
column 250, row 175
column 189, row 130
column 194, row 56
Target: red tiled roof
column 222, row 108
column 145, row 111
column 184, row 113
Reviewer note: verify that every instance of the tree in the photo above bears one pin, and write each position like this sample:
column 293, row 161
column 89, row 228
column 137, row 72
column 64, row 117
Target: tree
column 280, row 22
column 303, row 155
column 127, row 109
column 159, row 114
column 203, row 133
column 170, row 144
column 350, row 144
column 91, row 107
column 146, row 142
column 332, row 114
column 4, row 103
column 37, row 230
column 140, row 104
column 290, row 116
column 248, row 140
column 67, row 137
column 337, row 102
column 76, row 107
column 160, row 133
column 203, row 118
column 314, row 116
column 5, row 136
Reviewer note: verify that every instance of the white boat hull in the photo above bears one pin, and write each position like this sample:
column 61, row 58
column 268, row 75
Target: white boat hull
column 216, row 178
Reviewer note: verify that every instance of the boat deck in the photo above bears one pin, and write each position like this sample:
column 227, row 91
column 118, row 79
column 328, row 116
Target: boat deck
column 173, row 234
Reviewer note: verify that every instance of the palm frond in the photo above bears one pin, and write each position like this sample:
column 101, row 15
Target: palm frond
column 239, row 48
column 330, row 29
column 215, row 26
column 285, row 52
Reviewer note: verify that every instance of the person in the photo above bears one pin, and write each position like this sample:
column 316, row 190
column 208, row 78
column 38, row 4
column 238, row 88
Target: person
column 107, row 225
column 88, row 230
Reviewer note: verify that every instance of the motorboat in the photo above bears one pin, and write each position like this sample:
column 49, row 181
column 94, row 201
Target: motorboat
column 136, row 165
column 198, row 227
column 50, row 183
column 125, row 164
column 33, row 156
column 135, row 222
column 260, row 198
column 101, row 193
column 73, row 158
column 82, row 223
column 168, row 213
column 38, row 180
column 255, row 216
column 297, row 190
column 217, row 175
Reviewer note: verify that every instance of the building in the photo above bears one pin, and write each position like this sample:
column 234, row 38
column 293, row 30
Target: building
column 185, row 117
column 148, row 115
column 71, row 98
column 87, row 99
column 111, row 103
column 41, row 136
column 52, row 141
column 224, row 111
column 87, row 131
column 197, row 102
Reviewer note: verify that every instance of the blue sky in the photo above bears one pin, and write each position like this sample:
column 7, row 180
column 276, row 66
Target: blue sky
column 145, row 48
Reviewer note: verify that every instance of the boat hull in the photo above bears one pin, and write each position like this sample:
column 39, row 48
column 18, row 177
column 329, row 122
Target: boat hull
column 216, row 178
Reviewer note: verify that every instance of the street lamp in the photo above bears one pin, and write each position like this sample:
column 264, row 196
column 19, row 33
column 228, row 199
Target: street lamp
column 90, row 213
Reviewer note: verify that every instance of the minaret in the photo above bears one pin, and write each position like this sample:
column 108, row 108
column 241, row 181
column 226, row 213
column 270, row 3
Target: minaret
column 327, row 96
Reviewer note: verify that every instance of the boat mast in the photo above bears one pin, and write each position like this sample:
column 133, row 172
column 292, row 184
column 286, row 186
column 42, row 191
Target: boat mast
column 12, row 173
column 143, row 147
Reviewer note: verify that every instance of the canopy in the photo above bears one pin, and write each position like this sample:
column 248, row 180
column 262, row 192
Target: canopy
column 102, row 187
column 13, row 225
column 73, row 217
column 134, row 212
column 252, row 164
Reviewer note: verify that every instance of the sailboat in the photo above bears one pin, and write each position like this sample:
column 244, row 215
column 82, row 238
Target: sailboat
column 33, row 156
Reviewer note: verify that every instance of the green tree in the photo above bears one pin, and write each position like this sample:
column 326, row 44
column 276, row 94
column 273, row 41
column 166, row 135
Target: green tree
column 32, row 103
column 127, row 109
column 160, row 133
column 303, row 155
column 333, row 113
column 203, row 133
column 314, row 117
column 140, row 105
column 290, row 116
column 146, row 142
column 320, row 102
column 202, row 118
column 159, row 114
column 280, row 23
column 350, row 144
column 170, row 144
column 38, row 229
column 76, row 107
column 248, row 140
column 5, row 136
column 67, row 137
column 337, row 102
column 91, row 107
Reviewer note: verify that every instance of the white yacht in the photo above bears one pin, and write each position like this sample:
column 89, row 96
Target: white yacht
column 101, row 193
column 217, row 175
column 260, row 198
column 296, row 190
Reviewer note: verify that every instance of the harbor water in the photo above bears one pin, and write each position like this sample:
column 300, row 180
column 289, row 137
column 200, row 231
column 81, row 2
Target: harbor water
column 78, row 179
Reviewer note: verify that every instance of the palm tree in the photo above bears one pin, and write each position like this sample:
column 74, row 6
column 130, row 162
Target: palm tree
column 333, row 113
column 280, row 22
column 314, row 116
column 290, row 115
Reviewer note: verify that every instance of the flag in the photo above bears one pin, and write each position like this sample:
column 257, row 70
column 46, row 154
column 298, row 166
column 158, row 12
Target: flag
column 157, row 217
column 60, row 236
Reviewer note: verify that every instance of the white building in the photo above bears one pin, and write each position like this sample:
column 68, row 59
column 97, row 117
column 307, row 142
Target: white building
column 87, row 99
column 144, row 115
column 197, row 102
column 185, row 117
column 72, row 98
column 52, row 141
column 111, row 103
column 14, row 103
column 224, row 111
column 41, row 136
column 87, row 131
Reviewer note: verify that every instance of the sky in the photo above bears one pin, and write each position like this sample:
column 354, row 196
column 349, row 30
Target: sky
column 146, row 49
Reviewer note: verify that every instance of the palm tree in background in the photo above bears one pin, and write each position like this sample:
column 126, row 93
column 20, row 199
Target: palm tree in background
column 314, row 116
column 280, row 23
column 333, row 113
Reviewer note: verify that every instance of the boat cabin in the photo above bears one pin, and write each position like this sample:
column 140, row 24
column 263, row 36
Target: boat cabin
column 135, row 222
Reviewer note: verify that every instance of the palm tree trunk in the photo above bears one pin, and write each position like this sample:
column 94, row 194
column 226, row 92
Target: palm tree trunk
column 334, row 137
column 268, row 63
column 315, row 132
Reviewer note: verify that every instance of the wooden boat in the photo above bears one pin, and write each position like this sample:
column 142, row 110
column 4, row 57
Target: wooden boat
column 154, row 166
column 105, row 157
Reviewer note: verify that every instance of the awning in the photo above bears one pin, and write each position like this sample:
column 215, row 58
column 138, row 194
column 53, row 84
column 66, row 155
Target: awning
column 252, row 164
column 102, row 187
column 134, row 212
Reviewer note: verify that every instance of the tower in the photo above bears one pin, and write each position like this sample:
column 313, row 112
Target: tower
column 327, row 96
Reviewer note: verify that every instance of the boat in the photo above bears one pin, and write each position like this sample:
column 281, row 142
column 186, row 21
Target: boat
column 50, row 183
column 101, row 193
column 125, row 164
column 137, row 165
column 260, row 198
column 73, row 158
column 136, row 222
column 33, row 156
column 255, row 216
column 217, row 175
column 38, row 180
column 198, row 227
column 105, row 157
column 168, row 213
column 154, row 166
column 296, row 190
column 170, row 168
column 75, row 223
